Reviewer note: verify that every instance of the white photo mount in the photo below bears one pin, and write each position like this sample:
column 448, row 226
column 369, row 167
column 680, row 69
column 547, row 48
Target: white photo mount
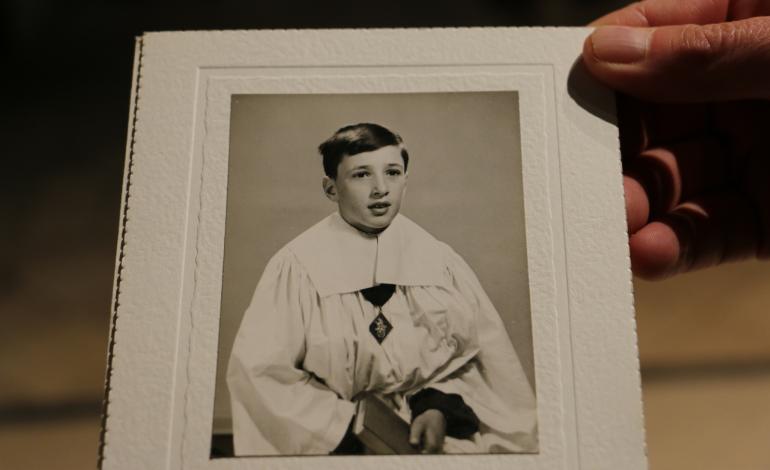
column 165, row 317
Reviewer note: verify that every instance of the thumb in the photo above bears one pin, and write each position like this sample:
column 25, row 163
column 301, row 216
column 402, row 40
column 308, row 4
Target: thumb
column 684, row 63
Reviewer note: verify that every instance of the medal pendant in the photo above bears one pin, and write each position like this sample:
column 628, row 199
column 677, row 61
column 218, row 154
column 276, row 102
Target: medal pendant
column 380, row 327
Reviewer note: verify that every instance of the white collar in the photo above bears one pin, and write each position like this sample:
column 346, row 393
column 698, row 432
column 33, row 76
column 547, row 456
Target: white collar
column 341, row 259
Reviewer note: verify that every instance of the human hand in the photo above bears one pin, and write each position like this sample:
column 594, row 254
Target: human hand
column 428, row 431
column 695, row 128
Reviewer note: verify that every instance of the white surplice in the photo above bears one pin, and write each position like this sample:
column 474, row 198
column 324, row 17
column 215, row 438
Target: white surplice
column 304, row 354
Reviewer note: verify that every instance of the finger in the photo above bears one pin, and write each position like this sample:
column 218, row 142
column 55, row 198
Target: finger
column 637, row 204
column 715, row 229
column 672, row 174
column 654, row 251
column 703, row 232
column 687, row 63
column 666, row 12
column 431, row 443
column 416, row 431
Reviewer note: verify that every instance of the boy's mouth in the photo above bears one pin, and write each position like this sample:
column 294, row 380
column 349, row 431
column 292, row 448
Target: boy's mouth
column 379, row 209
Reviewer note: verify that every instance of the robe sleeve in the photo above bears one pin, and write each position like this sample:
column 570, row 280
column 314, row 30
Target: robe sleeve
column 493, row 384
column 277, row 407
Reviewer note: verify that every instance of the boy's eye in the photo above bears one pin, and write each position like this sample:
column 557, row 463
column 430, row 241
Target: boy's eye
column 393, row 172
column 360, row 174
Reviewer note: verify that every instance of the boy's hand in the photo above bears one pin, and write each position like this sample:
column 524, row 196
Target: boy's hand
column 428, row 431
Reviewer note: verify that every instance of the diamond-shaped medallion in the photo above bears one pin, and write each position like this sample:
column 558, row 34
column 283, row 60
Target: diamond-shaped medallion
column 380, row 327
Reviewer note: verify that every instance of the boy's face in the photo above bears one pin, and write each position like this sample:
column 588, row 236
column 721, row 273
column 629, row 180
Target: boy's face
column 369, row 188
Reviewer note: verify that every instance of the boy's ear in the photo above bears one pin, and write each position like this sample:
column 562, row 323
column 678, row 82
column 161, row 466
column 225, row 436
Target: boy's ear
column 330, row 188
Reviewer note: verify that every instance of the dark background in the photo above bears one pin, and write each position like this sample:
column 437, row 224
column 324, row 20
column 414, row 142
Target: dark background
column 66, row 79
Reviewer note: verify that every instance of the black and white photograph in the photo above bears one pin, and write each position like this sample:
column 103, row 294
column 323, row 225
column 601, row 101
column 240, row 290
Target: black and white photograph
column 375, row 296
column 335, row 254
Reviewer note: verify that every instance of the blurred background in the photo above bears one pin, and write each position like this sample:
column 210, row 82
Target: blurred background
column 704, row 338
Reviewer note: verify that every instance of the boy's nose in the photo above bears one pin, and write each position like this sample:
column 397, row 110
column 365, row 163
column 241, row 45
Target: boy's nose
column 380, row 188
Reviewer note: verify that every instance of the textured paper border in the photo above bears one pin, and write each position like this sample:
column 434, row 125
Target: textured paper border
column 166, row 293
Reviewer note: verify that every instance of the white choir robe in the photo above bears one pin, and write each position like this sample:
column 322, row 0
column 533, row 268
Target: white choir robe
column 304, row 355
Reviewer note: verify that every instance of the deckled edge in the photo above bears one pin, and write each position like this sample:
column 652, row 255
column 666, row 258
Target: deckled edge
column 125, row 195
column 632, row 294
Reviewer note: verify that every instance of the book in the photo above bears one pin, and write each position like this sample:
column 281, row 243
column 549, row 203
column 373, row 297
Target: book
column 380, row 429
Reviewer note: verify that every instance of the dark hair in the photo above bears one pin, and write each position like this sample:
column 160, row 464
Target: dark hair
column 357, row 138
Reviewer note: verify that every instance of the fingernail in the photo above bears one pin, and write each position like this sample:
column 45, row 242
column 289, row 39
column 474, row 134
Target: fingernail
column 620, row 44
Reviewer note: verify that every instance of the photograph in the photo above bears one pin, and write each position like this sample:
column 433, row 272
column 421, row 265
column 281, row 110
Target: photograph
column 341, row 255
column 375, row 293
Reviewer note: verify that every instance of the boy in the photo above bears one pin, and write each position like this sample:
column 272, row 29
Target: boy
column 368, row 303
